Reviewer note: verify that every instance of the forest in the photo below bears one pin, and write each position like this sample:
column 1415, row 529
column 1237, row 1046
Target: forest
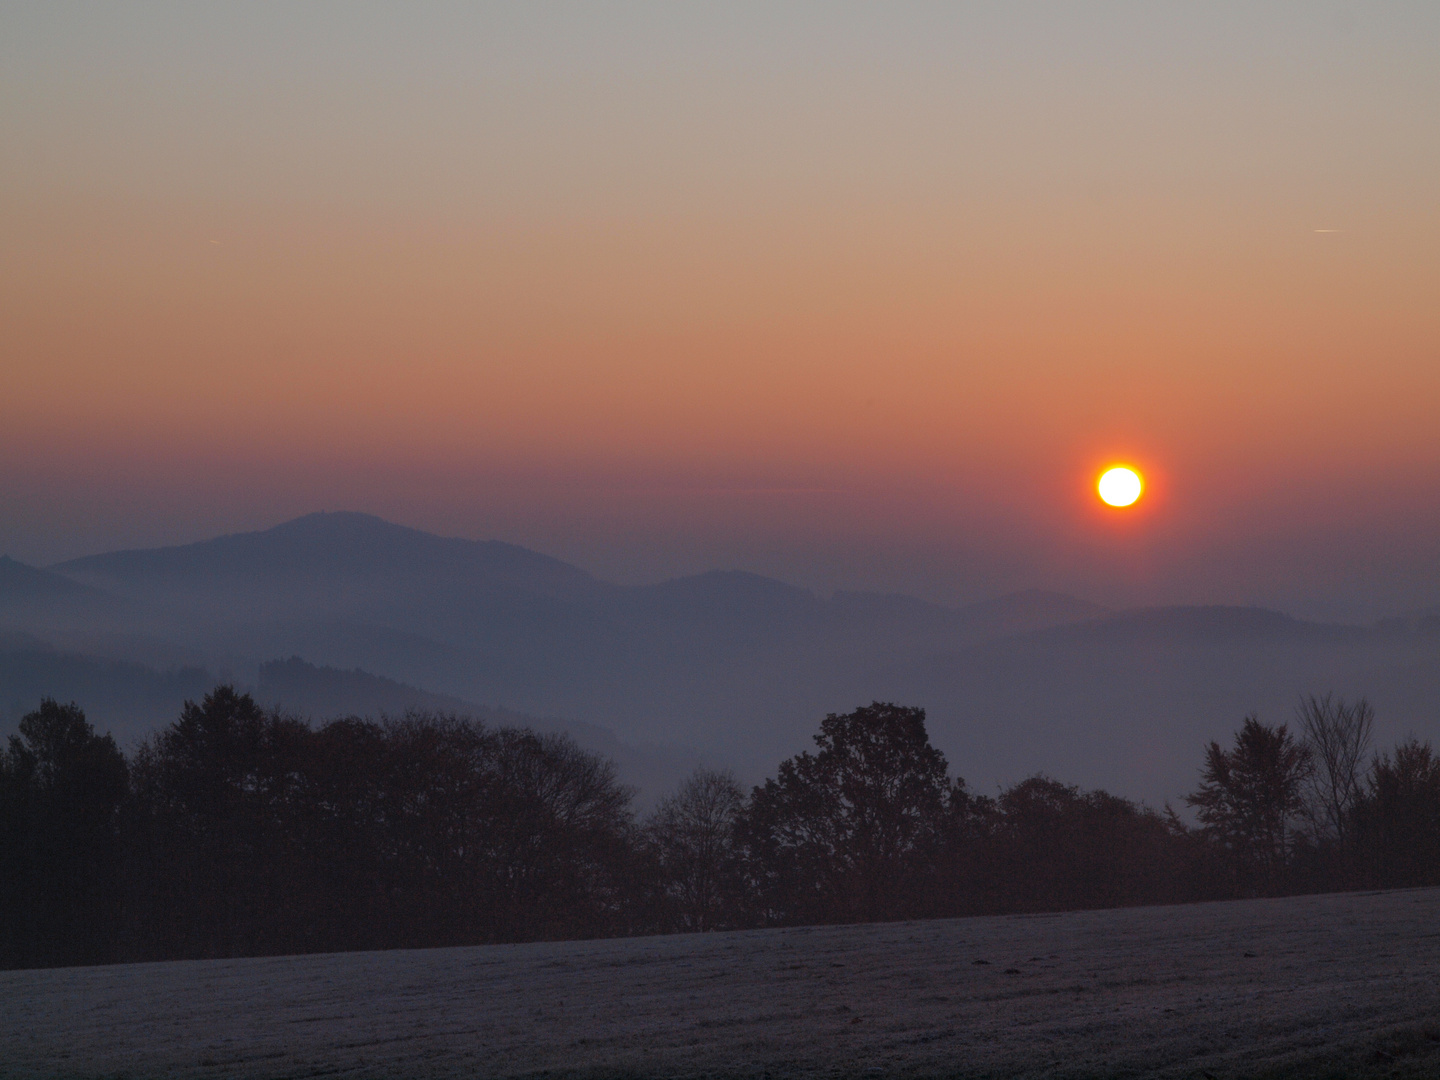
column 237, row 831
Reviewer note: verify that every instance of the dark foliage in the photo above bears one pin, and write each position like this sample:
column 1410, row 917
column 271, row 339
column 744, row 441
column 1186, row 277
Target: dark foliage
column 853, row 831
column 251, row 833
column 1397, row 822
column 61, row 788
column 1249, row 800
column 692, row 856
column 1050, row 847
column 237, row 831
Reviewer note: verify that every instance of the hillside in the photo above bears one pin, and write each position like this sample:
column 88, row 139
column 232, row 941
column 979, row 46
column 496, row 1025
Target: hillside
column 1341, row 985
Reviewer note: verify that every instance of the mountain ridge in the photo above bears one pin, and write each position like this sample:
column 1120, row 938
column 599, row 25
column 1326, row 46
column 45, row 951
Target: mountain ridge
column 330, row 545
column 742, row 666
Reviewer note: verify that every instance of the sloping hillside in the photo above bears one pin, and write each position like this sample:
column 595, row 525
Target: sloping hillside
column 1308, row 986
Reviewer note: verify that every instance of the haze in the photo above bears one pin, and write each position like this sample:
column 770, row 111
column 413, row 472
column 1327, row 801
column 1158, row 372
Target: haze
column 856, row 297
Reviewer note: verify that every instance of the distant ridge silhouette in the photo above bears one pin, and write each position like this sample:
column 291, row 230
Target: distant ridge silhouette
column 733, row 663
column 329, row 547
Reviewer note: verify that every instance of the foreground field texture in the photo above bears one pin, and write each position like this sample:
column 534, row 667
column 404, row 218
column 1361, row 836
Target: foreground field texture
column 1338, row 985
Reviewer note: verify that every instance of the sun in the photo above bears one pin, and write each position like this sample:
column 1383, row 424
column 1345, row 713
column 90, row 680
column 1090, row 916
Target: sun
column 1120, row 486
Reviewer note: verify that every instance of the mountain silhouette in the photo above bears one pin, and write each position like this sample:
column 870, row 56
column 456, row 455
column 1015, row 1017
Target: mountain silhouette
column 739, row 665
column 335, row 555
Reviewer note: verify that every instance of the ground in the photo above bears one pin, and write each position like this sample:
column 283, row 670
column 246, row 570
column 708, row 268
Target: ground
column 1319, row 986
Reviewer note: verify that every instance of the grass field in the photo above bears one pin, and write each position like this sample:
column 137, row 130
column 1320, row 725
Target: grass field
column 1337, row 985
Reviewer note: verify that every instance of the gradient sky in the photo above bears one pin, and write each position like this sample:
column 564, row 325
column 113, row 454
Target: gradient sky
column 859, row 296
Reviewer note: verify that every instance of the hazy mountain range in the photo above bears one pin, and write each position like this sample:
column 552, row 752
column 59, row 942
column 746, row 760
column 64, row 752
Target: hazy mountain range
column 726, row 666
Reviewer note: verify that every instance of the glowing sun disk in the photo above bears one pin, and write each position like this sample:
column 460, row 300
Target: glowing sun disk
column 1120, row 486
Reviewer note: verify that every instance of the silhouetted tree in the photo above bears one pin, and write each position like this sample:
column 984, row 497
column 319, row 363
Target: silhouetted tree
column 1249, row 797
column 61, row 787
column 691, row 840
column 853, row 831
column 1398, row 820
column 252, row 833
column 562, row 836
column 345, row 890
column 968, row 877
column 433, row 782
column 1337, row 736
column 1054, row 847
column 213, row 826
column 242, row 832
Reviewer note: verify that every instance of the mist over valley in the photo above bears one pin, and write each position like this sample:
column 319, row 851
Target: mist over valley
column 346, row 614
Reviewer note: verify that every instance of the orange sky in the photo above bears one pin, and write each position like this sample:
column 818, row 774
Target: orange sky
column 857, row 298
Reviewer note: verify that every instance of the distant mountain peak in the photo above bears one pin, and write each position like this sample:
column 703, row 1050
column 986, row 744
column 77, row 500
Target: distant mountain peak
column 326, row 548
column 340, row 523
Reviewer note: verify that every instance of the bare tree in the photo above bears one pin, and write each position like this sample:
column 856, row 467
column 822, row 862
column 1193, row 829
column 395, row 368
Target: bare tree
column 1337, row 734
column 692, row 834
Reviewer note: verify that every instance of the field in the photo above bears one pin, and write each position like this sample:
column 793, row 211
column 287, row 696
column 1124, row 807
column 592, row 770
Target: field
column 1337, row 985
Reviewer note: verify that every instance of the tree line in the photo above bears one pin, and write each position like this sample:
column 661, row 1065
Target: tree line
column 235, row 831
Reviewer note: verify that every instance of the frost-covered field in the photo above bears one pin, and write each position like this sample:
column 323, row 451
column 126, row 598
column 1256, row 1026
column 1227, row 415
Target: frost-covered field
column 1330, row 985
